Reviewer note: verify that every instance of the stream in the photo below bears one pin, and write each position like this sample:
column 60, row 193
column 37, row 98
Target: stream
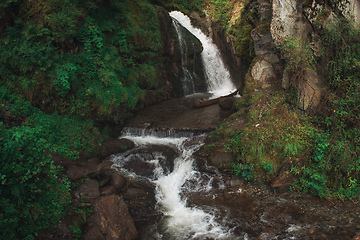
column 189, row 204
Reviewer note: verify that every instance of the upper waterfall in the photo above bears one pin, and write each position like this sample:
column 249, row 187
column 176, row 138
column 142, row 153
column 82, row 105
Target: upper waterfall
column 217, row 76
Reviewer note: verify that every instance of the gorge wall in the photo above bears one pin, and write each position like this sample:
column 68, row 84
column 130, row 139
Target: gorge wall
column 273, row 24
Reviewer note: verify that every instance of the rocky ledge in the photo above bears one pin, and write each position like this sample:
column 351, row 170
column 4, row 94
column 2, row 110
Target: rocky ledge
column 103, row 201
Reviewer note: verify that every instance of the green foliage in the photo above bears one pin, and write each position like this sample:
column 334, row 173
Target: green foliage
column 76, row 231
column 332, row 169
column 62, row 81
column 299, row 58
column 66, row 136
column 221, row 12
column 61, row 63
column 338, row 150
column 244, row 170
column 292, row 148
column 274, row 135
column 314, row 182
column 33, row 193
column 82, row 57
column 268, row 167
column 187, row 6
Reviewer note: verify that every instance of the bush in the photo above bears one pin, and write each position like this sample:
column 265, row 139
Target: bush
column 33, row 195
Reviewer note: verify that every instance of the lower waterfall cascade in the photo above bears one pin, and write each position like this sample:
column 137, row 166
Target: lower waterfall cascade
column 173, row 184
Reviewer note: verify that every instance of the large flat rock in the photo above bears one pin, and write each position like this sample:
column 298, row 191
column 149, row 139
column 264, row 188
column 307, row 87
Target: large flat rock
column 179, row 114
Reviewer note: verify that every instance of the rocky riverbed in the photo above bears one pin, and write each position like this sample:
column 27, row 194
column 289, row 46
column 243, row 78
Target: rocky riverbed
column 126, row 208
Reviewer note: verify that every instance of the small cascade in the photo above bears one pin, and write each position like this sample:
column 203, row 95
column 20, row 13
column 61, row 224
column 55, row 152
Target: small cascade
column 174, row 179
column 217, row 76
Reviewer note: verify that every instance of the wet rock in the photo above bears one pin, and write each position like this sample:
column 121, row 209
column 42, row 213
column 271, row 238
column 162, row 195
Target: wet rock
column 112, row 146
column 235, row 182
column 99, row 169
column 107, row 190
column 94, row 233
column 91, row 161
column 111, row 217
column 64, row 162
column 170, row 153
column 117, row 180
column 282, row 183
column 311, row 230
column 103, row 180
column 139, row 159
column 89, row 190
column 75, row 173
column 195, row 140
column 263, row 71
column 267, row 236
column 93, row 169
column 140, row 167
column 221, row 159
column 264, row 45
column 227, row 103
column 133, row 193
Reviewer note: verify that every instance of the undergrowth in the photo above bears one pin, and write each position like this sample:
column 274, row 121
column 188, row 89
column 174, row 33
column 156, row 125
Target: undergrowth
column 321, row 149
column 63, row 64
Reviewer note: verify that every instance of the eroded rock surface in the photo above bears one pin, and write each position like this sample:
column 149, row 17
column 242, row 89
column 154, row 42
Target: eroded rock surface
column 111, row 218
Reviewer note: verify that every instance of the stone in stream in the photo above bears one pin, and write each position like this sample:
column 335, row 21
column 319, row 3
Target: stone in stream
column 117, row 180
column 111, row 218
column 92, row 169
column 139, row 160
column 112, row 146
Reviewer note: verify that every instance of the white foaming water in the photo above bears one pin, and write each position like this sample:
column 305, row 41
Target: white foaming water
column 218, row 77
column 181, row 221
column 188, row 78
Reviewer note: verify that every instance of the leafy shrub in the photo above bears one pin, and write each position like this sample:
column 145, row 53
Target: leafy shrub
column 244, row 170
column 333, row 167
column 33, row 193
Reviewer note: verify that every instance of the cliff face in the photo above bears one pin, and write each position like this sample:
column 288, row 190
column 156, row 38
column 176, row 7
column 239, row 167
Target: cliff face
column 303, row 22
column 274, row 24
column 299, row 107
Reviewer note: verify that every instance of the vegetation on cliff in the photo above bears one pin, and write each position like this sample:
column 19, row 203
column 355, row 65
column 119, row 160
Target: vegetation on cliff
column 317, row 150
column 64, row 64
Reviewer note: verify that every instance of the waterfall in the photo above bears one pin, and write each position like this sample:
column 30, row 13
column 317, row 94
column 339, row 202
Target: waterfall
column 217, row 76
column 166, row 157
column 188, row 77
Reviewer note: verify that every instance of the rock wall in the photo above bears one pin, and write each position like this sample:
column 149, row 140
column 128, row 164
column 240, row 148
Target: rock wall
column 170, row 70
column 293, row 22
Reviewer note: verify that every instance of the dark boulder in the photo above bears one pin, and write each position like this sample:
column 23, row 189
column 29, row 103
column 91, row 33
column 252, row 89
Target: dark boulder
column 111, row 218
column 113, row 145
column 89, row 190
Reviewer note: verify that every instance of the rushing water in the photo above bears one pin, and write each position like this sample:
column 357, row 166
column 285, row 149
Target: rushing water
column 217, row 76
column 189, row 76
column 190, row 202
column 168, row 158
column 172, row 185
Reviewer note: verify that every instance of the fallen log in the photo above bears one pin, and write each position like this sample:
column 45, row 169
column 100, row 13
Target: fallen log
column 209, row 102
